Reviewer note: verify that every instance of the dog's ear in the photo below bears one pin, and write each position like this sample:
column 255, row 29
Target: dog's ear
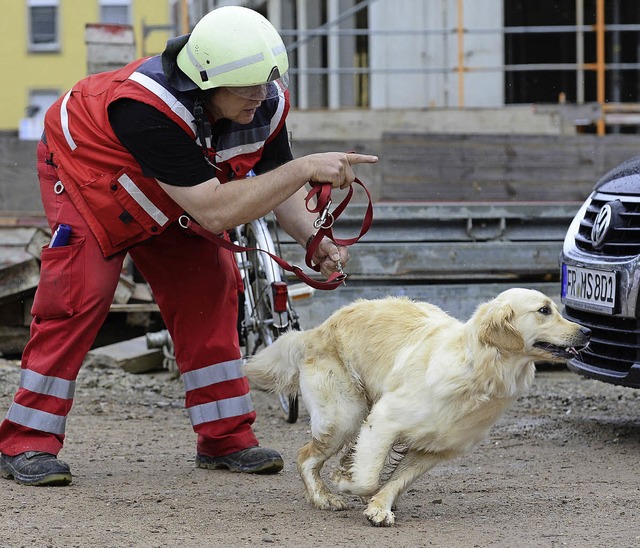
column 495, row 327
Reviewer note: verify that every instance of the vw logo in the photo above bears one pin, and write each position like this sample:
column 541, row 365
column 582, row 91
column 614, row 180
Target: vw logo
column 601, row 226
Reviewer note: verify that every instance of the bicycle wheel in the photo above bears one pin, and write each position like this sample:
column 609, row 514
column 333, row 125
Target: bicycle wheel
column 262, row 325
column 289, row 405
column 259, row 273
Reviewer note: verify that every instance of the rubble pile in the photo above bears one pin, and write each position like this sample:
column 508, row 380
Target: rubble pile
column 133, row 312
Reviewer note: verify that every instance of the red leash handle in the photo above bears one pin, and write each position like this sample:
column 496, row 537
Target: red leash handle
column 332, row 282
column 326, row 219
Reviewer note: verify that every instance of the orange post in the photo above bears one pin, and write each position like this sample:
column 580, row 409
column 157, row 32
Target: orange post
column 460, row 32
column 185, row 16
column 600, row 65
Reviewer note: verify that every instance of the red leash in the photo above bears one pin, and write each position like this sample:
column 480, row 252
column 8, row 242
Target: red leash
column 326, row 219
column 323, row 225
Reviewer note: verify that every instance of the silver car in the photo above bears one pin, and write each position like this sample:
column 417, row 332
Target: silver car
column 600, row 266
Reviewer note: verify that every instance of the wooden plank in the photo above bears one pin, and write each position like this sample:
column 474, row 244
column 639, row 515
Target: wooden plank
column 22, row 218
column 13, row 339
column 456, row 222
column 32, row 239
column 19, row 271
column 141, row 294
column 124, row 290
column 446, row 260
column 131, row 355
column 430, row 241
column 16, row 236
column 131, row 308
column 453, row 167
column 41, row 238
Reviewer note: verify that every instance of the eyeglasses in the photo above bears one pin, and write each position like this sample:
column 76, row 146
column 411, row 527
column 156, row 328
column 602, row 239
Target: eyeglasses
column 255, row 93
column 261, row 92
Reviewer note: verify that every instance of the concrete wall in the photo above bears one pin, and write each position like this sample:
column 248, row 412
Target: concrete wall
column 18, row 179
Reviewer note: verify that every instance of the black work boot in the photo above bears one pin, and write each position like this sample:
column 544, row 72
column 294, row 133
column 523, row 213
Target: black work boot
column 35, row 468
column 253, row 460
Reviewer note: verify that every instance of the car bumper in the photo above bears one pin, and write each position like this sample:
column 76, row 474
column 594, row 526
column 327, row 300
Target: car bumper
column 613, row 356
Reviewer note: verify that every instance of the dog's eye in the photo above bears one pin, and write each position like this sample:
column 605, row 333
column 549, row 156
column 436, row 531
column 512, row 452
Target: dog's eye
column 546, row 310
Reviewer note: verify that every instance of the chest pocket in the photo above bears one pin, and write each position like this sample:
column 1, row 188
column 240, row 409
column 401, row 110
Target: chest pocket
column 124, row 210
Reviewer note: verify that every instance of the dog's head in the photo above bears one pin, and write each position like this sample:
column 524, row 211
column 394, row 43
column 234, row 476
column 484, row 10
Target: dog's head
column 527, row 322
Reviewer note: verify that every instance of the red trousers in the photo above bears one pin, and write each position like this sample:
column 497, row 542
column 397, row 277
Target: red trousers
column 196, row 287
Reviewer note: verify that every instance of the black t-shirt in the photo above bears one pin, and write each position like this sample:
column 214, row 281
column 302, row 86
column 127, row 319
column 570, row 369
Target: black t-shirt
column 166, row 152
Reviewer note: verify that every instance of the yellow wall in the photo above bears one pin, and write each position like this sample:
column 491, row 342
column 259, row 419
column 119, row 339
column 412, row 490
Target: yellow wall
column 23, row 71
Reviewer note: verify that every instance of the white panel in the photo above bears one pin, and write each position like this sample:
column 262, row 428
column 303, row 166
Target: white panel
column 432, row 57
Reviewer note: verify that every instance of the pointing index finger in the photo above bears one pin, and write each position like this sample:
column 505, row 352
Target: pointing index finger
column 354, row 158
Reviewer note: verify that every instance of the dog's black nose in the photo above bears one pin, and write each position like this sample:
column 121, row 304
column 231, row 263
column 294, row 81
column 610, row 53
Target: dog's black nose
column 586, row 332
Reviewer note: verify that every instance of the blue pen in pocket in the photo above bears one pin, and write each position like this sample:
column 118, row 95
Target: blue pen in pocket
column 60, row 236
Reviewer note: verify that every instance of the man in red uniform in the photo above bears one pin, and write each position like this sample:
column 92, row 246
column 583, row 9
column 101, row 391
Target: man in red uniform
column 123, row 155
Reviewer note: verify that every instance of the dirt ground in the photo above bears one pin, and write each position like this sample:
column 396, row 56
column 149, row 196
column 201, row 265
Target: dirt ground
column 562, row 468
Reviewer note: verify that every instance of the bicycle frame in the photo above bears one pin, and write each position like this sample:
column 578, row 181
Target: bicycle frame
column 265, row 312
column 264, row 267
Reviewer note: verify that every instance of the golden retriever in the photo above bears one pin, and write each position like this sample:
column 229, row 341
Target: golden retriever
column 392, row 372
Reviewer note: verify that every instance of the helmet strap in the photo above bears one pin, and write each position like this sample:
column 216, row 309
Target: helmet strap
column 203, row 128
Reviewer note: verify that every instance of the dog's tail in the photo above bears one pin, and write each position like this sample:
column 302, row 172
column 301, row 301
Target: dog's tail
column 275, row 367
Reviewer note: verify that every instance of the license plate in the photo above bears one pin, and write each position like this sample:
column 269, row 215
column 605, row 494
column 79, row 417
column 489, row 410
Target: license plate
column 589, row 289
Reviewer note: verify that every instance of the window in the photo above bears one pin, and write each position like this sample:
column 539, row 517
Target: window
column 43, row 25
column 32, row 124
column 560, row 47
column 116, row 12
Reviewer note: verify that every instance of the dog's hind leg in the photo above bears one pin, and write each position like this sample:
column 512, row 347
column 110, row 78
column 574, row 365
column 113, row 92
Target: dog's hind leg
column 413, row 465
column 311, row 459
column 336, row 408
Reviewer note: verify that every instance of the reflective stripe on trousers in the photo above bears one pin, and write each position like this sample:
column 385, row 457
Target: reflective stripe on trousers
column 223, row 409
column 36, row 419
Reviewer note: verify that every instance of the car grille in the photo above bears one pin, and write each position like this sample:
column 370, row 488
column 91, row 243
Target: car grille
column 623, row 240
column 615, row 341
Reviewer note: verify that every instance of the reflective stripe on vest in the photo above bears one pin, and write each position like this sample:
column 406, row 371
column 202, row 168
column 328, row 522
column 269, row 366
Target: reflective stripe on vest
column 166, row 97
column 36, row 420
column 49, row 386
column 212, row 374
column 222, row 409
column 64, row 121
column 142, row 200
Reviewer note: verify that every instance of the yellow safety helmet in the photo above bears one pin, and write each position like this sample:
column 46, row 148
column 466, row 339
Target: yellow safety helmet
column 237, row 48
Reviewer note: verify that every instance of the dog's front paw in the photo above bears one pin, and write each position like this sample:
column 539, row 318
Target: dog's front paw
column 379, row 517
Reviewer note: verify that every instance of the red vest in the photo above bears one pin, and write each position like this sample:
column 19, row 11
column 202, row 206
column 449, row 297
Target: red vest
column 104, row 181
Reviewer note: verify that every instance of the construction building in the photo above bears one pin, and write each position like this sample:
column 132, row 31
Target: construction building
column 578, row 59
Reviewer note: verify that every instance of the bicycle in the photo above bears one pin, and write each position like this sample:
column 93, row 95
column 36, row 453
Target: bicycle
column 265, row 310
